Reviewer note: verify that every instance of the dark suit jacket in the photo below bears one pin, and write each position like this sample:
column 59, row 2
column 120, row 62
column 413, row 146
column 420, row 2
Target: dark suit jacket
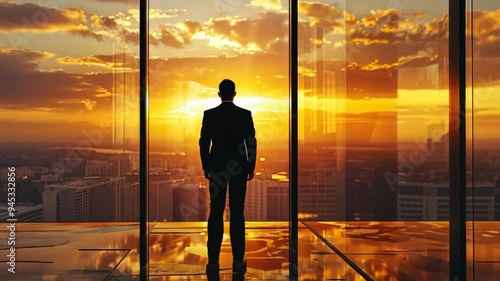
column 231, row 131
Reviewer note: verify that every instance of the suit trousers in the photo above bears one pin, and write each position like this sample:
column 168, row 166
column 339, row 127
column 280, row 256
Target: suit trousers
column 219, row 182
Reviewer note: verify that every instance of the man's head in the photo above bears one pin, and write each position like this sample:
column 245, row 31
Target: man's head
column 227, row 90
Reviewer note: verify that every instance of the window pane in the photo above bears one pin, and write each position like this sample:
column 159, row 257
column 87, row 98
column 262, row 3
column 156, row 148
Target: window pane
column 397, row 138
column 483, row 141
column 194, row 45
column 388, row 136
column 69, row 109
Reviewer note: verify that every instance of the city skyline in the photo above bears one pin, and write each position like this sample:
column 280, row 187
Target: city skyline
column 75, row 89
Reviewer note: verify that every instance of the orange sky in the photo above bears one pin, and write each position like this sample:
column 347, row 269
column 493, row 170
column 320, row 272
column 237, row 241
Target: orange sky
column 71, row 65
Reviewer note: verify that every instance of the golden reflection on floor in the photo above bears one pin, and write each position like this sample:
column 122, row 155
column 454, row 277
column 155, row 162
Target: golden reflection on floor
column 177, row 251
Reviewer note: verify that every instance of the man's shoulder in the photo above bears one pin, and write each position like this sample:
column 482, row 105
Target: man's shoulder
column 243, row 109
column 210, row 110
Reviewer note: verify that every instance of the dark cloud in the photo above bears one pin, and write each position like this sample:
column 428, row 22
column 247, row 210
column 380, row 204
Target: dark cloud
column 321, row 14
column 132, row 36
column 25, row 86
column 486, row 32
column 30, row 17
column 106, row 22
column 320, row 10
column 21, row 61
column 83, row 31
column 33, row 17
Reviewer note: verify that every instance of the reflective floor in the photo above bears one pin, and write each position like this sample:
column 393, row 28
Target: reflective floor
column 109, row 251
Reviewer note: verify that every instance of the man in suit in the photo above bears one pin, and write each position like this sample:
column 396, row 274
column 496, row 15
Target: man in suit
column 229, row 161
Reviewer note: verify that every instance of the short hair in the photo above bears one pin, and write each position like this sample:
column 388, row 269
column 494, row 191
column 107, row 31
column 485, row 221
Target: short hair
column 226, row 89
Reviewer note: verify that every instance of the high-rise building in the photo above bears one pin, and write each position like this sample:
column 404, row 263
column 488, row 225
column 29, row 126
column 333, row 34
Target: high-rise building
column 266, row 200
column 122, row 164
column 160, row 200
column 98, row 168
column 430, row 201
column 160, row 197
column 191, row 202
column 86, row 199
column 318, row 186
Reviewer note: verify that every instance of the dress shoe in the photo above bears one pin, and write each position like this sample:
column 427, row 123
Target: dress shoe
column 239, row 267
column 212, row 268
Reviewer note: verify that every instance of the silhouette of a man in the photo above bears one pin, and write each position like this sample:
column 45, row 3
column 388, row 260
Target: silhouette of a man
column 229, row 161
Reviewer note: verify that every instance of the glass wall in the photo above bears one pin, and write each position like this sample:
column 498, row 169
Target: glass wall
column 397, row 139
column 483, row 140
column 382, row 113
column 69, row 122
column 193, row 46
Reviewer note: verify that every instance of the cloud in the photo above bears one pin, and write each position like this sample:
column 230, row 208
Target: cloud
column 32, row 17
column 89, row 104
column 320, row 14
column 58, row 90
column 267, row 32
column 408, row 61
column 391, row 27
column 320, row 10
column 105, row 22
column 107, row 61
column 257, row 34
column 179, row 34
column 267, row 4
column 486, row 30
column 157, row 13
column 388, row 40
column 21, row 61
column 173, row 35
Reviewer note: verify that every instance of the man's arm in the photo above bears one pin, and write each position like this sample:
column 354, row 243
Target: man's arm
column 251, row 143
column 204, row 143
